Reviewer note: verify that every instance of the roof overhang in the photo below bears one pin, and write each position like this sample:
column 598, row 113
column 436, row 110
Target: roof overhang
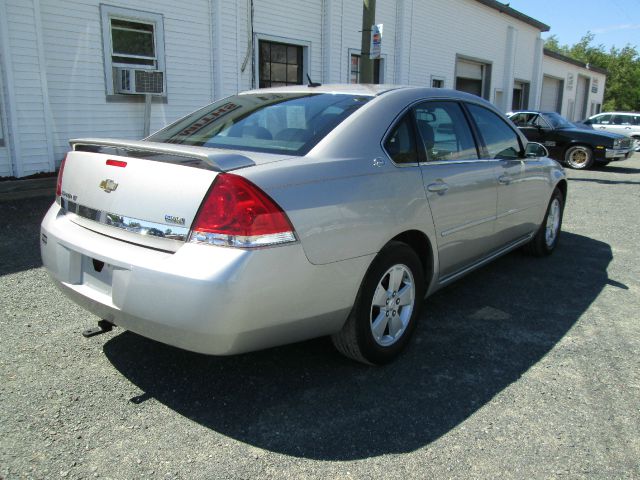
column 507, row 10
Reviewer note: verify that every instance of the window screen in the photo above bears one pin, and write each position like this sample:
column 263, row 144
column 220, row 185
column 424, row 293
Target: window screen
column 132, row 42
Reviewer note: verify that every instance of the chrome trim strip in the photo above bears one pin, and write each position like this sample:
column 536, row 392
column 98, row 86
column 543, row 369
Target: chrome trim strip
column 511, row 212
column 129, row 224
column 475, row 223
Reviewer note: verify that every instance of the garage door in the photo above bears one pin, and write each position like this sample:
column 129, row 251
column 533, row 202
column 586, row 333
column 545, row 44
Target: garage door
column 551, row 95
column 469, row 77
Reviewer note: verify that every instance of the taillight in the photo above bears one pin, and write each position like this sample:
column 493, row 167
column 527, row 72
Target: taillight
column 59, row 182
column 236, row 213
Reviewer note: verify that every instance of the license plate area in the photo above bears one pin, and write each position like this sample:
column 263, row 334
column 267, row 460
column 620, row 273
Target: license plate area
column 97, row 275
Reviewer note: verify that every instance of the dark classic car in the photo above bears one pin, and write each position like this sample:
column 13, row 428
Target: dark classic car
column 577, row 148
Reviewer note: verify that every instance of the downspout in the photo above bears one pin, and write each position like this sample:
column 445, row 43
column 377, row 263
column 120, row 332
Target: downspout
column 249, row 53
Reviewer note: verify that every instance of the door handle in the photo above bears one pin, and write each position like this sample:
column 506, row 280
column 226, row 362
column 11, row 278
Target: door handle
column 439, row 187
column 505, row 179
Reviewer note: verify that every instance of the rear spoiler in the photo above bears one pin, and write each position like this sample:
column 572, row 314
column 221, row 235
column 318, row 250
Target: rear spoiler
column 187, row 155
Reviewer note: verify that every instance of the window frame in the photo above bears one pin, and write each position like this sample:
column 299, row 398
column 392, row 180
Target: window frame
column 109, row 12
column 306, row 54
column 438, row 78
column 381, row 63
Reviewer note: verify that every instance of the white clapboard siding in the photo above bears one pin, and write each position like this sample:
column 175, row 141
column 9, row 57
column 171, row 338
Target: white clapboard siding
column 27, row 91
column 76, row 78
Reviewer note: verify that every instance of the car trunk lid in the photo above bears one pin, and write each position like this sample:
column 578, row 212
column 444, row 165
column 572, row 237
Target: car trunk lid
column 143, row 192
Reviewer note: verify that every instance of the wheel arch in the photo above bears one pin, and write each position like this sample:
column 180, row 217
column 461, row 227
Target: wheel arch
column 563, row 186
column 423, row 247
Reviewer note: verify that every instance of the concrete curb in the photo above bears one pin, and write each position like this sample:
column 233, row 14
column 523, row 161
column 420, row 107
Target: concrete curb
column 19, row 189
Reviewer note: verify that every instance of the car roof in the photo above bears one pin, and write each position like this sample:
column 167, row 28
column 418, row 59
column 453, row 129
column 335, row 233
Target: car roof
column 532, row 111
column 617, row 113
column 370, row 90
column 353, row 89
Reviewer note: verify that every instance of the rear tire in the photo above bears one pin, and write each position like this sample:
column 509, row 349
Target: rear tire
column 579, row 157
column 548, row 235
column 385, row 313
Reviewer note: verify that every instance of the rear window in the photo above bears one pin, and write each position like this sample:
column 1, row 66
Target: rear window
column 282, row 123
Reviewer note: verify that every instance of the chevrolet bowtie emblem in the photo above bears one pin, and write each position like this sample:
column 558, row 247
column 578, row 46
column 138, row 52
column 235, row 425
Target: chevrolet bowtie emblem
column 108, row 185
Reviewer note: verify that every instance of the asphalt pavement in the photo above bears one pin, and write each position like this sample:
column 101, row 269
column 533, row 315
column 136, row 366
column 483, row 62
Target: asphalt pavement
column 528, row 368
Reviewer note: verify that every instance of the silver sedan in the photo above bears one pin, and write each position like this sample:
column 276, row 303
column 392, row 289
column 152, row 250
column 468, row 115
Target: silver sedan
column 279, row 215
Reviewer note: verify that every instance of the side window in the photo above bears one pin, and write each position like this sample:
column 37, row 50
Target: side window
column 621, row 120
column 525, row 119
column 501, row 141
column 444, row 131
column 520, row 119
column 602, row 120
column 401, row 144
column 539, row 121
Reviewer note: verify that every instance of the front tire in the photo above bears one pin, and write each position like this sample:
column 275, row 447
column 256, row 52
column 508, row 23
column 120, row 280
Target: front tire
column 579, row 157
column 547, row 236
column 386, row 309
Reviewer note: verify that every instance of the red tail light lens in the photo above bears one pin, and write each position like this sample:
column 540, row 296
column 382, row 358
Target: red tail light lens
column 59, row 182
column 237, row 213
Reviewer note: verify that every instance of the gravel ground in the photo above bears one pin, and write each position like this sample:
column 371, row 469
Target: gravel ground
column 528, row 368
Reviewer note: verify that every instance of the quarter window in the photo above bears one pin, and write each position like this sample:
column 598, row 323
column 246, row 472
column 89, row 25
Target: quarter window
column 444, row 131
column 280, row 64
column 401, row 144
column 500, row 139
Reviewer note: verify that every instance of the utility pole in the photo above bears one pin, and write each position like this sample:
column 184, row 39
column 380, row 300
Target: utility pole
column 368, row 19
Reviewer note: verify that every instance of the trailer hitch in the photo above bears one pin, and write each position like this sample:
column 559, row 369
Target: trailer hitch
column 104, row 326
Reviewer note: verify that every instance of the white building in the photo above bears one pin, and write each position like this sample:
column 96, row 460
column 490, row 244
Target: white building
column 571, row 88
column 62, row 61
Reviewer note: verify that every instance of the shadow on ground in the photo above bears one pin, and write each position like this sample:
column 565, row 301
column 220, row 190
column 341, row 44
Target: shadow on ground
column 20, row 233
column 476, row 337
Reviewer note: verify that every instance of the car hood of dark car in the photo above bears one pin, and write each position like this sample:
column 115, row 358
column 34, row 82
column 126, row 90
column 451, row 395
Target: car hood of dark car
column 593, row 134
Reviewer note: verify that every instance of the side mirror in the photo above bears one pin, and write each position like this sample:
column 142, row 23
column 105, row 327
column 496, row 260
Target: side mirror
column 535, row 150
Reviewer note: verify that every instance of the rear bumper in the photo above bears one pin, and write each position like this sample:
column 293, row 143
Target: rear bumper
column 207, row 299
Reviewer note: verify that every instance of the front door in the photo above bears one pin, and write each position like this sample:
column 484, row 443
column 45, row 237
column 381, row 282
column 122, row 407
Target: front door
column 521, row 181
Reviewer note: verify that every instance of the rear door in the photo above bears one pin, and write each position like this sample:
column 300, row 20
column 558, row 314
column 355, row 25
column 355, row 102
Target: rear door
column 460, row 187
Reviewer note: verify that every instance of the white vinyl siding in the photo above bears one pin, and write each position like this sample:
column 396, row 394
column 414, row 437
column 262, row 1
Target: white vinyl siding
column 77, row 75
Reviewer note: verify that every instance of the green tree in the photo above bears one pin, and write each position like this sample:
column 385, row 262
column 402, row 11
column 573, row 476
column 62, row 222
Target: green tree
column 622, row 90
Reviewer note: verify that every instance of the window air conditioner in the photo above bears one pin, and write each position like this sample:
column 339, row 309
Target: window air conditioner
column 133, row 81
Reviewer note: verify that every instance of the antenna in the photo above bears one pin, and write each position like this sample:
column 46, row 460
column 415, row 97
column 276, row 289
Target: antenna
column 311, row 83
